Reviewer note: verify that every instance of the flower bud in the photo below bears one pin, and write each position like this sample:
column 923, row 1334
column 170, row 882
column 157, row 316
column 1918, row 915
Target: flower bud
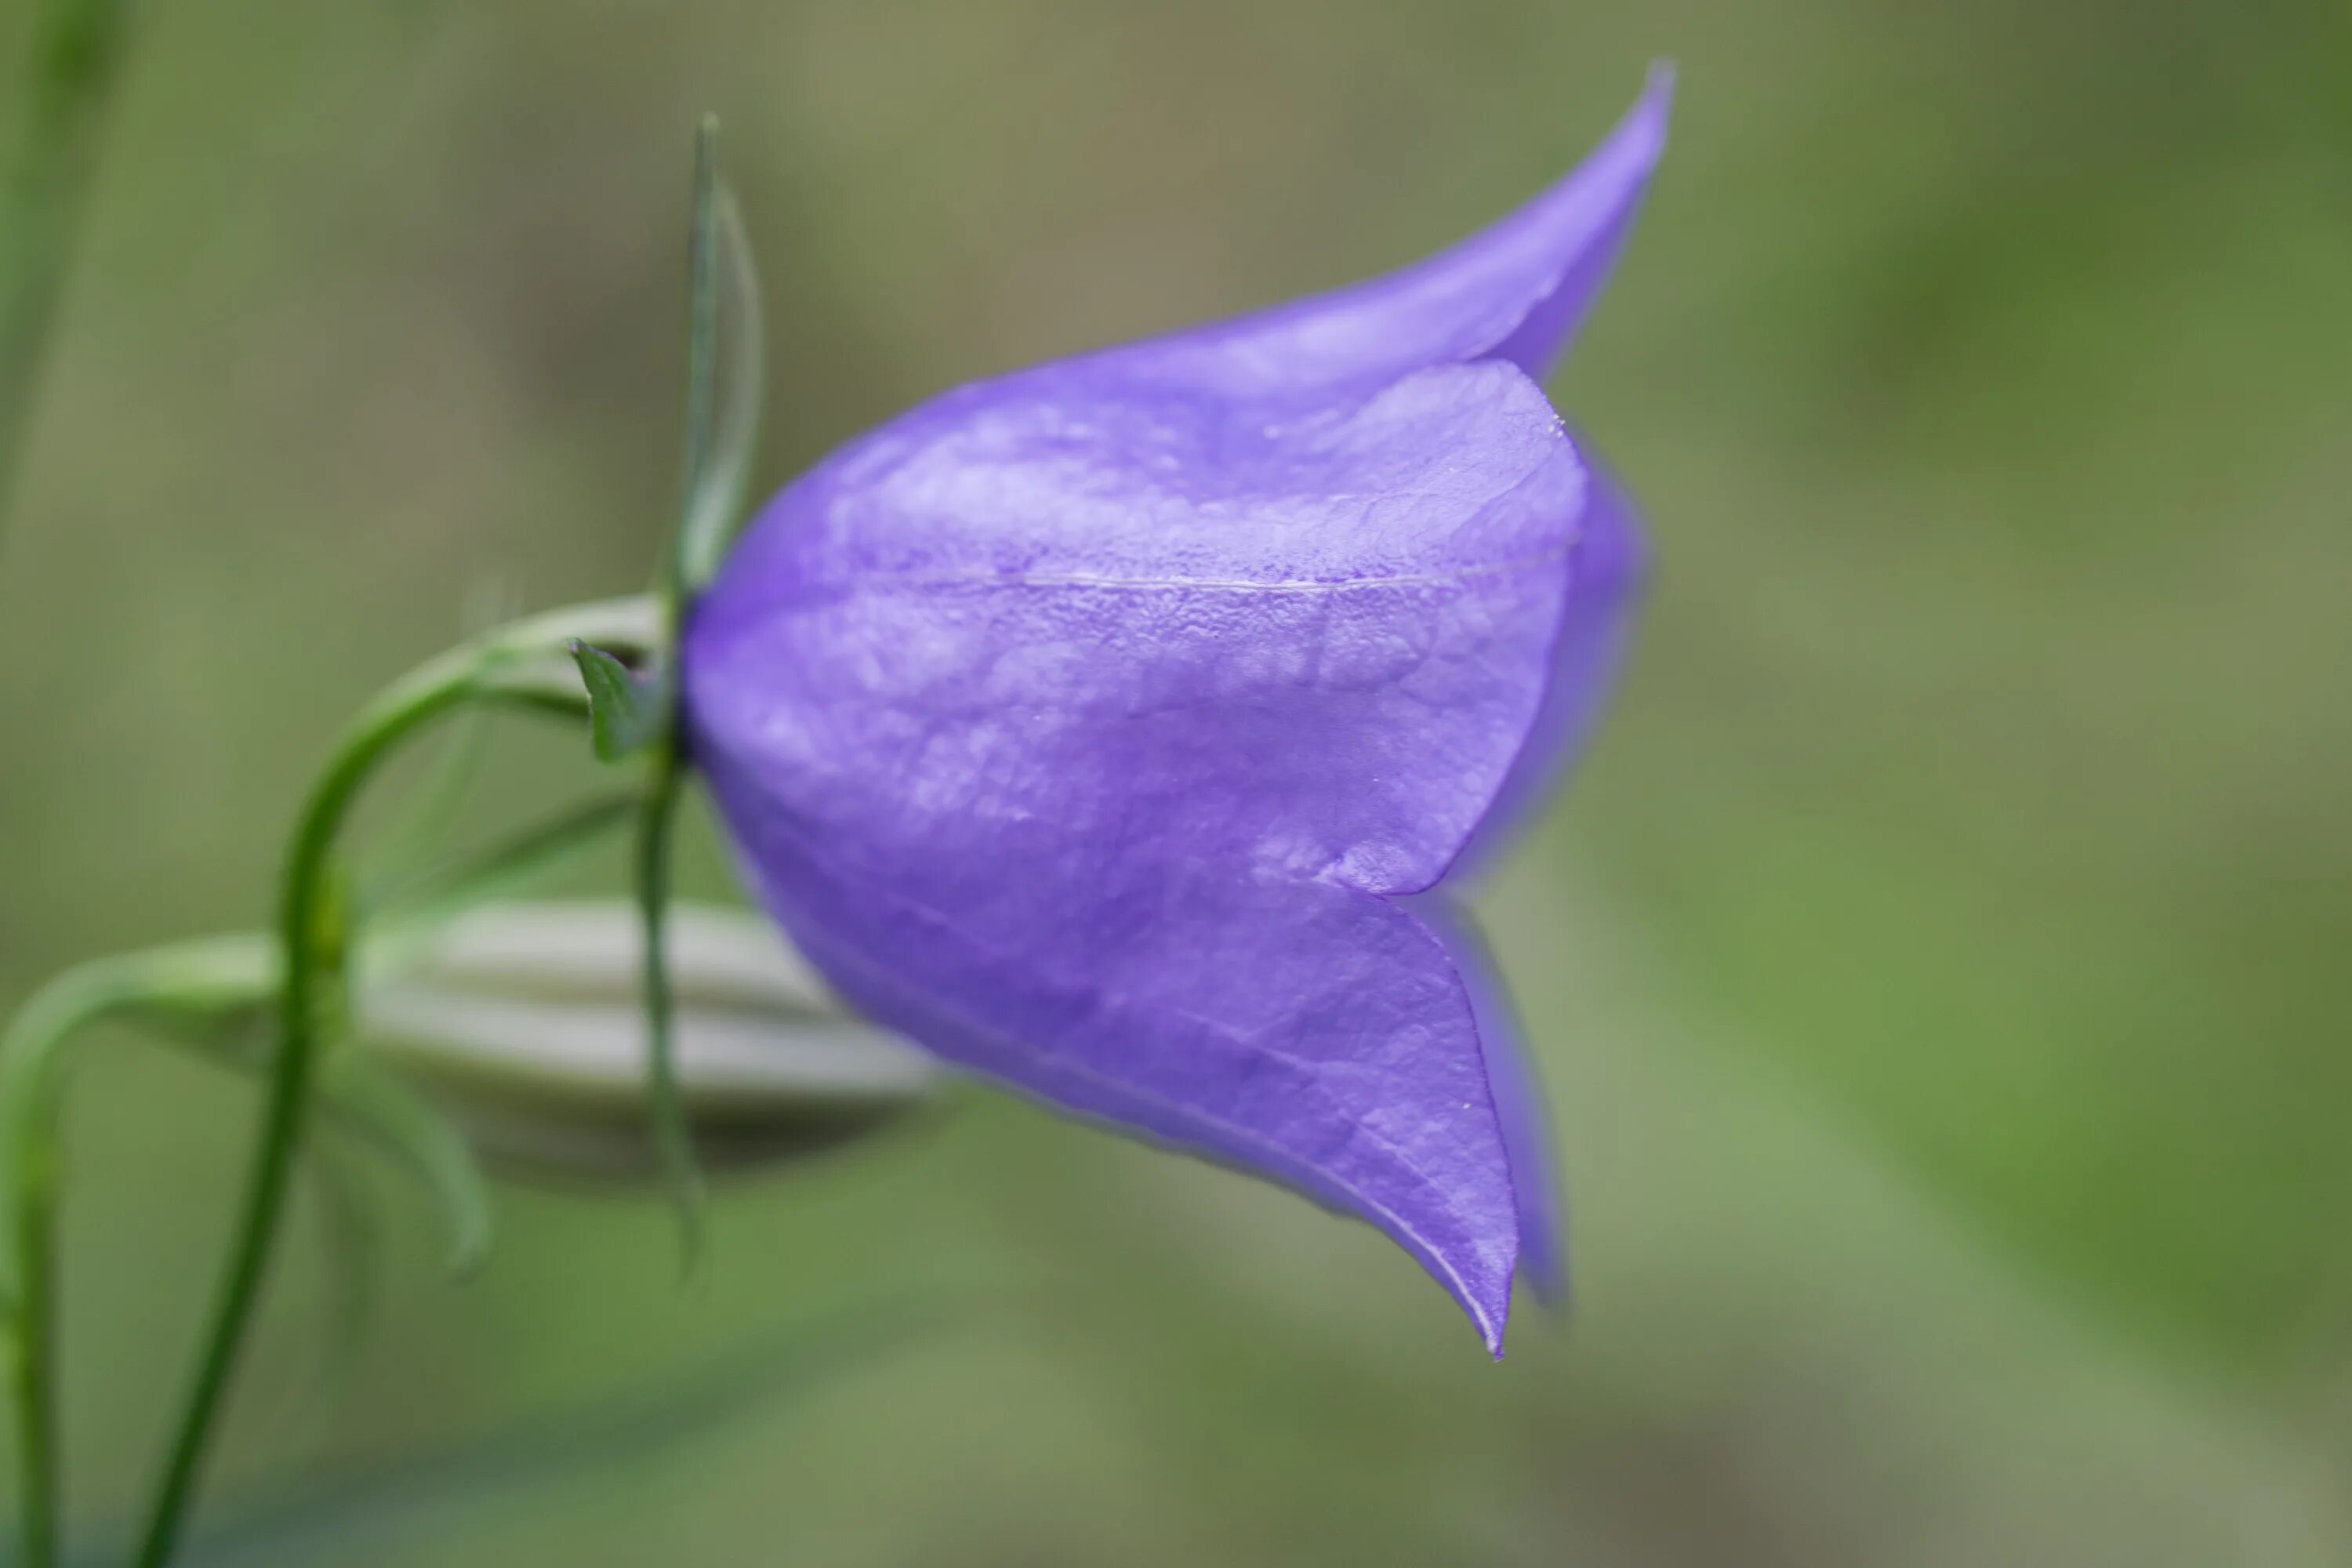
column 526, row 1022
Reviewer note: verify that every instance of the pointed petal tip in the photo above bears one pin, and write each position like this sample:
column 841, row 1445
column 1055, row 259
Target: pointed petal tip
column 1491, row 1318
column 1478, row 1279
column 1555, row 254
column 1545, row 1274
column 1638, row 139
column 1647, row 121
column 1544, row 1271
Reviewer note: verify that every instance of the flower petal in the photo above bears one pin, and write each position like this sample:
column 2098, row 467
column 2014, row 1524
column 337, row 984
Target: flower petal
column 1607, row 565
column 1304, row 1031
column 1519, row 1106
column 1310, row 647
column 1516, row 290
column 1082, row 734
column 1110, row 726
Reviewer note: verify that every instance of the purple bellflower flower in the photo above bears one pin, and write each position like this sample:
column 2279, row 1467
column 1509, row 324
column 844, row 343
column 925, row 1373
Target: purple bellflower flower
column 1122, row 729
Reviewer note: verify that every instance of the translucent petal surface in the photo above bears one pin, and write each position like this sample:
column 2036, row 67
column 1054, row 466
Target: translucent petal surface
column 1107, row 727
column 1606, row 567
column 1519, row 1106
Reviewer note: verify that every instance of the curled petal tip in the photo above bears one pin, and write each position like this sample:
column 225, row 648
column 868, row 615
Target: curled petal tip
column 1660, row 89
column 1647, row 122
column 1516, row 291
column 1646, row 126
column 1559, row 249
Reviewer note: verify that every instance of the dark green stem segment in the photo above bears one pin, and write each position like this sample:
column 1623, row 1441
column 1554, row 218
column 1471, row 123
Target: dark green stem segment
column 314, row 948
column 673, row 1141
column 77, row 48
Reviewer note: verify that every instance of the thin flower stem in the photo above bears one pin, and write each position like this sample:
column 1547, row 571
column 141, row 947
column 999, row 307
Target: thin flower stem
column 313, row 965
column 673, row 1143
column 28, row 1056
column 190, row 977
column 309, row 919
column 675, row 587
column 77, row 48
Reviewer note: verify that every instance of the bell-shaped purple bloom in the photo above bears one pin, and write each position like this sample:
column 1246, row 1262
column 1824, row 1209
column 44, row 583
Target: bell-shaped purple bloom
column 1117, row 729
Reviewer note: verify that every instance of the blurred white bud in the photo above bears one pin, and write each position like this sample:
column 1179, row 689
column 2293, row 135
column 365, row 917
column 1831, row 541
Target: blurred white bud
column 526, row 1023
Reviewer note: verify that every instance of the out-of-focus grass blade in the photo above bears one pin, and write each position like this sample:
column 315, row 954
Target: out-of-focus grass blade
column 433, row 805
column 462, row 881
column 358, row 1096
column 51, row 119
column 715, row 503
column 372, row 1101
column 351, row 1236
column 338, row 1517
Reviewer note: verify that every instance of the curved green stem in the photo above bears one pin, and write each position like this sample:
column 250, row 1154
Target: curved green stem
column 77, row 49
column 28, row 1056
column 314, row 961
column 313, row 948
column 199, row 976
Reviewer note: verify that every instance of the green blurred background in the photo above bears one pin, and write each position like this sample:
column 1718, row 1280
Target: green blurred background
column 1939, row 967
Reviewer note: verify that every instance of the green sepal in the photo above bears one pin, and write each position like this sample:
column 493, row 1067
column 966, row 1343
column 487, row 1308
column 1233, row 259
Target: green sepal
column 627, row 712
column 736, row 387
